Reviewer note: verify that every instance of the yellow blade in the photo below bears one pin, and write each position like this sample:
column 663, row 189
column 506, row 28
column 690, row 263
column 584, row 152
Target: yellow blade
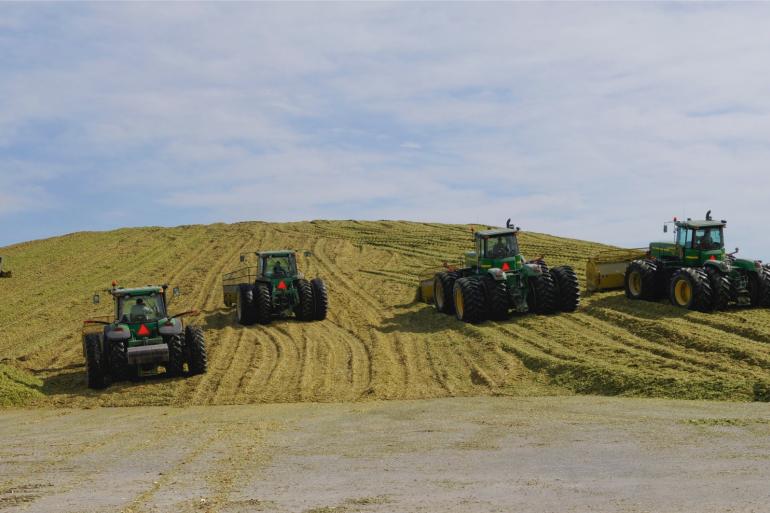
column 607, row 269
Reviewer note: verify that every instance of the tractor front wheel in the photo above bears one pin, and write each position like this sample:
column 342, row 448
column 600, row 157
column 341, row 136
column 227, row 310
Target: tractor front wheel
column 720, row 288
column 690, row 288
column 469, row 299
column 263, row 304
column 759, row 287
column 197, row 361
column 567, row 288
column 320, row 299
column 305, row 309
column 95, row 366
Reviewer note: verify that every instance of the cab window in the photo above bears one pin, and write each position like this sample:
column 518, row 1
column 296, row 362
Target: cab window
column 684, row 237
column 277, row 266
column 501, row 247
column 708, row 239
column 141, row 308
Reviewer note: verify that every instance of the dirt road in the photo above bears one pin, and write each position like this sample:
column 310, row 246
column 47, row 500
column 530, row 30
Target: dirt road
column 445, row 455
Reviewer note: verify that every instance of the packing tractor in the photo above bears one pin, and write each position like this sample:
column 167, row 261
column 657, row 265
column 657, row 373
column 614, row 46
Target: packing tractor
column 274, row 288
column 496, row 281
column 141, row 337
column 4, row 274
column 694, row 271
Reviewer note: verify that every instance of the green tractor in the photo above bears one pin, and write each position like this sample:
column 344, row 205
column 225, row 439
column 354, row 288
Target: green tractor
column 4, row 274
column 140, row 338
column 695, row 272
column 496, row 281
column 274, row 288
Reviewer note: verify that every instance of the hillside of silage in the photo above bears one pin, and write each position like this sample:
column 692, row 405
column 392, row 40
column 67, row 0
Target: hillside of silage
column 377, row 343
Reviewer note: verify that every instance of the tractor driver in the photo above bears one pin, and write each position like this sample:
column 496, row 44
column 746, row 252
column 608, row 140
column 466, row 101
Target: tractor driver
column 278, row 269
column 500, row 250
column 140, row 311
column 705, row 240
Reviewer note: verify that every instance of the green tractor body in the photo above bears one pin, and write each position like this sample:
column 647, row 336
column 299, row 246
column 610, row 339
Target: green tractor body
column 140, row 338
column 695, row 272
column 496, row 281
column 274, row 288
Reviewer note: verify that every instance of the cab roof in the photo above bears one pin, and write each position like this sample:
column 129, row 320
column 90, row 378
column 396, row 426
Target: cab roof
column 495, row 233
column 279, row 252
column 137, row 291
column 697, row 223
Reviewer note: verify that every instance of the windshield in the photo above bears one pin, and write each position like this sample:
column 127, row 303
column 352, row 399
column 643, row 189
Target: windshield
column 501, row 247
column 708, row 239
column 141, row 309
column 277, row 266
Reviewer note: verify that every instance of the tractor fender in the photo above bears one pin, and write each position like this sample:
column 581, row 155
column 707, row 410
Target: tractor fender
column 170, row 327
column 118, row 332
column 532, row 269
column 721, row 265
column 497, row 274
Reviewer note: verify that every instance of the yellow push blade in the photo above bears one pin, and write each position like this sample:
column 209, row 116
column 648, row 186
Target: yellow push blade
column 606, row 270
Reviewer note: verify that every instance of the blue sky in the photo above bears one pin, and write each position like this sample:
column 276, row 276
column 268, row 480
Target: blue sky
column 594, row 121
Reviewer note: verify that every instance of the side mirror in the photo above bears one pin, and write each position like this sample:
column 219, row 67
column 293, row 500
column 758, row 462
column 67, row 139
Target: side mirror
column 736, row 250
column 243, row 258
column 96, row 299
column 176, row 292
column 665, row 228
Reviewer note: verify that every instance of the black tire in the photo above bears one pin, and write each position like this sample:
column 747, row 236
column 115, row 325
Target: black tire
column 759, row 287
column 497, row 301
column 468, row 298
column 306, row 307
column 320, row 299
column 244, row 305
column 567, row 288
column 118, row 361
column 263, row 304
column 720, row 288
column 764, row 278
column 443, row 292
column 195, row 342
column 95, row 366
column 690, row 288
column 176, row 356
column 643, row 280
column 541, row 297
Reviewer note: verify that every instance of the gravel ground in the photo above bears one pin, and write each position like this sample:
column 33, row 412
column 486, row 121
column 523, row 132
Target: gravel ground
column 555, row 454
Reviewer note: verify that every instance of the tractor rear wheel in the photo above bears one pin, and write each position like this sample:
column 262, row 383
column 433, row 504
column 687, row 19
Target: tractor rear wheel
column 497, row 303
column 197, row 359
column 443, row 292
column 175, row 365
column 720, row 288
column 95, row 366
column 759, row 287
column 642, row 280
column 542, row 293
column 320, row 299
column 118, row 361
column 567, row 288
column 244, row 305
column 764, row 275
column 468, row 295
column 306, row 308
column 262, row 307
column 690, row 288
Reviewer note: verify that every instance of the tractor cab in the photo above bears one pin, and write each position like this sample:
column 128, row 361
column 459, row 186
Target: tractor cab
column 144, row 308
column 278, row 264
column 495, row 249
column 695, row 242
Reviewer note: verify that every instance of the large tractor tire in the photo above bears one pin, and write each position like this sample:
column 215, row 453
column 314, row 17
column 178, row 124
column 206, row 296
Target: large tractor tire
column 497, row 301
column 690, row 288
column 468, row 295
column 95, row 366
column 541, row 298
column 263, row 304
column 567, row 288
column 443, row 292
column 642, row 280
column 244, row 305
column 320, row 299
column 306, row 308
column 118, row 361
column 759, row 287
column 195, row 342
column 720, row 288
column 176, row 356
